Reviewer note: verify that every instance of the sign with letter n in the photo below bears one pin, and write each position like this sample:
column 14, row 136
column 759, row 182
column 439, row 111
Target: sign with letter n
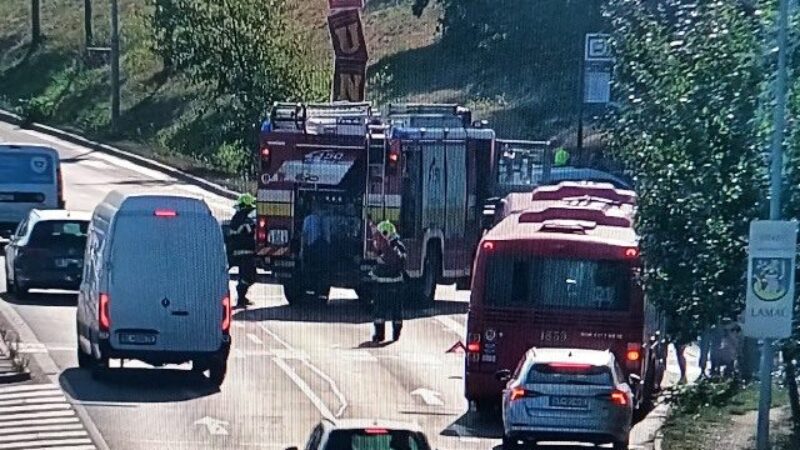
column 344, row 4
column 770, row 279
column 349, row 81
column 347, row 35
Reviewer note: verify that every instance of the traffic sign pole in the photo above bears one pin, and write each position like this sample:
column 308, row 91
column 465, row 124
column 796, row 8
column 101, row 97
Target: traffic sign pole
column 779, row 119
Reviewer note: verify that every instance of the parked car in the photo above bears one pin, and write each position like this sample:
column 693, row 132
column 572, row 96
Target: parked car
column 46, row 251
column 155, row 285
column 358, row 434
column 30, row 177
column 562, row 394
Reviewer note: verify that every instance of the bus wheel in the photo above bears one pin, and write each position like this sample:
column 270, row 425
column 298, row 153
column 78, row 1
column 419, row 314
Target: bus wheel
column 294, row 291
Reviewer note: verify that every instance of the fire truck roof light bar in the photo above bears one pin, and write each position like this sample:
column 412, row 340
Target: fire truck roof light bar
column 424, row 108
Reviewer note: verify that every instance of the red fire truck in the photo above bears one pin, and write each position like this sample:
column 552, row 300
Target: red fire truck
column 561, row 273
column 425, row 168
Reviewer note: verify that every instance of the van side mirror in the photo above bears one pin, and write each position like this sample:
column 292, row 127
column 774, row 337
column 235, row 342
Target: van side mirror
column 503, row 375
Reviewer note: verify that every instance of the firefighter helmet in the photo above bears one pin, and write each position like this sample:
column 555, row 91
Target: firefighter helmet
column 246, row 201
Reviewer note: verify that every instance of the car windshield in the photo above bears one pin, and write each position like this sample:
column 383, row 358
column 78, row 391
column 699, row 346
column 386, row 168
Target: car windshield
column 559, row 283
column 375, row 439
column 59, row 234
column 572, row 373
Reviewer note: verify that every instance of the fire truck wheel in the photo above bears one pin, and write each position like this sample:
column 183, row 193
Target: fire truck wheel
column 425, row 286
column 294, row 292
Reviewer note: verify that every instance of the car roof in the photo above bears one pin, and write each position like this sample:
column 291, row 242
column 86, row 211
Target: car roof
column 60, row 214
column 569, row 355
column 360, row 424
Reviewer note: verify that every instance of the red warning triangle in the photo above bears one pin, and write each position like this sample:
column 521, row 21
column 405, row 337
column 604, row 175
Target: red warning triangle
column 458, row 347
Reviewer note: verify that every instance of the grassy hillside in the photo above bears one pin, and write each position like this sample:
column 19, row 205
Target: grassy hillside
column 166, row 117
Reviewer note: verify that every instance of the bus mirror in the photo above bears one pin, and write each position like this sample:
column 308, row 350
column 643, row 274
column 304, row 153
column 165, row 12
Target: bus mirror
column 503, row 375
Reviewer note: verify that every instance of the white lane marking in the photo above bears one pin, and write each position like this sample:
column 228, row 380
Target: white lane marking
column 254, row 339
column 47, row 393
column 33, row 401
column 452, row 325
column 238, row 325
column 61, row 421
column 30, row 387
column 428, row 396
column 35, row 428
column 44, row 443
column 43, row 435
column 36, row 416
column 213, row 426
column 305, row 388
column 305, row 360
column 238, row 353
column 30, row 408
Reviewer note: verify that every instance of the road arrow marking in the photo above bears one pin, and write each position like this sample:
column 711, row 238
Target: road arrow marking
column 214, row 426
column 430, row 397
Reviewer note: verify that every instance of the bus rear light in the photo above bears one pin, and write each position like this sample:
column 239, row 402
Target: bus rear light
column 619, row 398
column 488, row 246
column 474, row 343
column 633, row 355
column 104, row 312
column 631, row 252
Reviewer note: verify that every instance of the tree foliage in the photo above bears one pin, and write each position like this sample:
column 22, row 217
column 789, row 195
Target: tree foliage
column 690, row 77
column 243, row 52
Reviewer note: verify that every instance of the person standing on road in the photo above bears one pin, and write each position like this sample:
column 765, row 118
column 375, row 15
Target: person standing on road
column 679, row 342
column 316, row 241
column 243, row 246
column 389, row 278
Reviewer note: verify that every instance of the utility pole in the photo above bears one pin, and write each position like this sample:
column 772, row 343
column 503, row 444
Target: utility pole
column 776, row 179
column 87, row 22
column 114, row 66
column 36, row 25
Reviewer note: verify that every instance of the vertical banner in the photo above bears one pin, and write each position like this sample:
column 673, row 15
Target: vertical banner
column 350, row 50
column 349, row 81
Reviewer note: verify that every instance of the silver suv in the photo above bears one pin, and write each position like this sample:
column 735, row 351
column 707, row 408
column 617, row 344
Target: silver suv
column 559, row 394
column 363, row 434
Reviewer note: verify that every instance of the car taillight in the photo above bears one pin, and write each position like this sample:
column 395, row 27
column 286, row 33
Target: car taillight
column 376, row 431
column 104, row 314
column 226, row 313
column 518, row 393
column 61, row 203
column 619, row 398
column 633, row 355
column 261, row 230
column 165, row 213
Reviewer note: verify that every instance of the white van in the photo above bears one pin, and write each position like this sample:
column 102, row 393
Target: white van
column 30, row 177
column 155, row 285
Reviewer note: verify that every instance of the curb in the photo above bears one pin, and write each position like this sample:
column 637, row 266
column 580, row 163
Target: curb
column 14, row 119
column 17, row 375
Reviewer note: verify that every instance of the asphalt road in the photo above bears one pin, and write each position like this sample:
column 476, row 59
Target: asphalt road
column 289, row 368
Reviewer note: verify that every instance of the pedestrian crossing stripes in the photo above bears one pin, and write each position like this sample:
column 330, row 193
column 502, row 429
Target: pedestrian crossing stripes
column 36, row 416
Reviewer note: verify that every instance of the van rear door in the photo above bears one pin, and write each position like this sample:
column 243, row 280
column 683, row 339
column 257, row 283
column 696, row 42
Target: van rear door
column 28, row 180
column 167, row 279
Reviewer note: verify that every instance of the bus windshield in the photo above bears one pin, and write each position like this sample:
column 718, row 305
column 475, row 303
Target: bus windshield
column 558, row 283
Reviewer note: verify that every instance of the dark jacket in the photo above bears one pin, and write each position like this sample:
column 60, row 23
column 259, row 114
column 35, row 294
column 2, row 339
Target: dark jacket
column 391, row 264
column 242, row 233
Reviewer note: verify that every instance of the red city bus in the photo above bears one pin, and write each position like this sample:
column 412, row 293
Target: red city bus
column 541, row 281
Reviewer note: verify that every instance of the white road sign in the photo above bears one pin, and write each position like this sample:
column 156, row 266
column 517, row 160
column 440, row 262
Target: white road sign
column 597, row 48
column 770, row 279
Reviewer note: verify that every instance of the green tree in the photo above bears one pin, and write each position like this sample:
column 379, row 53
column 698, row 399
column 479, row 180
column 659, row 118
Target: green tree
column 690, row 76
column 245, row 52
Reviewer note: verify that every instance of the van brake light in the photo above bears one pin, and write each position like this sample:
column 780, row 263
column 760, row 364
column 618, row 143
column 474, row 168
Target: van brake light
column 60, row 178
column 488, row 245
column 104, row 313
column 165, row 213
column 226, row 313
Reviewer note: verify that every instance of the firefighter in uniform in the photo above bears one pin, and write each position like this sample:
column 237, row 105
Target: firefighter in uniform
column 243, row 246
column 388, row 277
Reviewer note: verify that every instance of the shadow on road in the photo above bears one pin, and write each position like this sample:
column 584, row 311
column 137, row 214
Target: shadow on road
column 43, row 299
column 135, row 386
column 342, row 311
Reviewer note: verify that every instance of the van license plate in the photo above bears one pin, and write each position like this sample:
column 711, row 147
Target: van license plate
column 137, row 339
column 569, row 402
